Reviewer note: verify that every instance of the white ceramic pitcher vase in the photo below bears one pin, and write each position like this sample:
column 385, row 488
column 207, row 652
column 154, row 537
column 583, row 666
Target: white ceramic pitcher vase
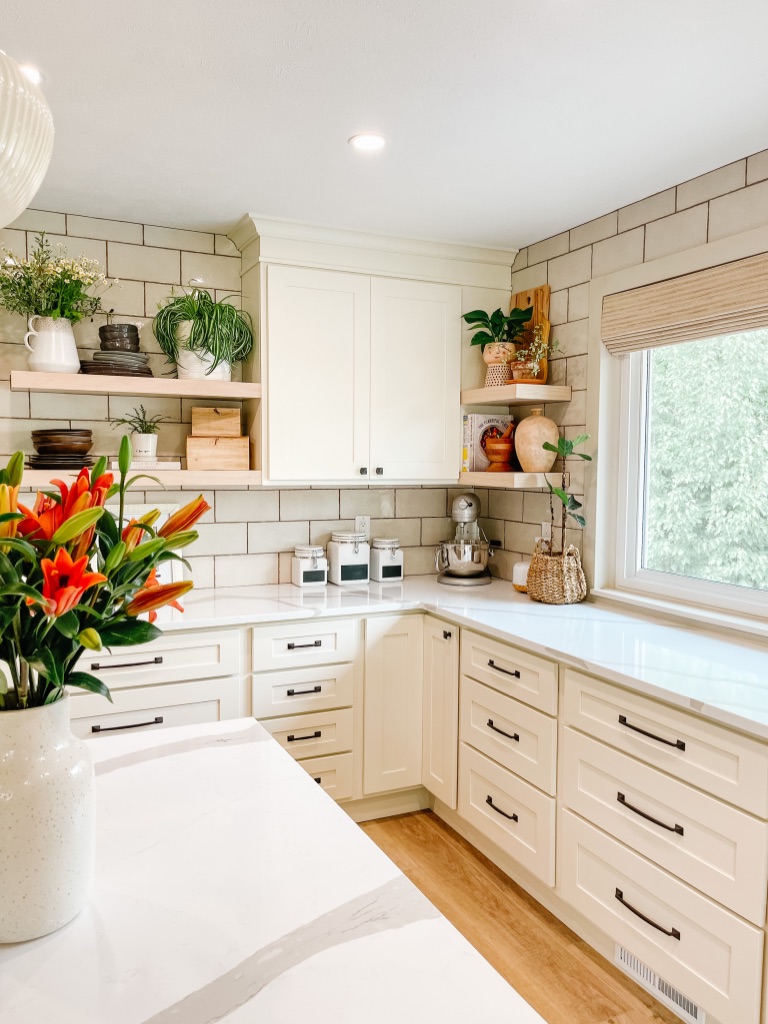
column 54, row 349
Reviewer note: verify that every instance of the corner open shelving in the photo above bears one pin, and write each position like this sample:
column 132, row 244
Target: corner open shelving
column 40, row 479
column 143, row 387
column 512, row 481
column 517, row 394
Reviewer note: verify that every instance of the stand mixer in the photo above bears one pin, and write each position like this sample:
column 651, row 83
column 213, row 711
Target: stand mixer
column 463, row 561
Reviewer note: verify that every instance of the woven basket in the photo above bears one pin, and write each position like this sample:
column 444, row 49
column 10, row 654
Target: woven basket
column 556, row 579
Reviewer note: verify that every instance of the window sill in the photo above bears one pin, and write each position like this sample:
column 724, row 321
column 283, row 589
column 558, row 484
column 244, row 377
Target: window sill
column 674, row 613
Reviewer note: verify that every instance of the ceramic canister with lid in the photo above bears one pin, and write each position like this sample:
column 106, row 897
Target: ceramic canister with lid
column 349, row 556
column 309, row 566
column 386, row 559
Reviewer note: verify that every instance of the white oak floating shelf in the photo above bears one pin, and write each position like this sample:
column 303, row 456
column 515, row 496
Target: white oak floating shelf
column 159, row 387
column 170, row 478
column 512, row 481
column 517, row 394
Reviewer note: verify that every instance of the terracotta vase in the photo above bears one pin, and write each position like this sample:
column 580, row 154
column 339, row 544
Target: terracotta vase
column 530, row 435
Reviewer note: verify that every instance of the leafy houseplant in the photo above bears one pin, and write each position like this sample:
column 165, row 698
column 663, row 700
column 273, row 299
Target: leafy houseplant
column 564, row 449
column 201, row 336
column 72, row 578
column 496, row 328
column 143, row 429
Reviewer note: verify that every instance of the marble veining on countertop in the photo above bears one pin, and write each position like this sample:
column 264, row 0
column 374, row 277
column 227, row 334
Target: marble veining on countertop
column 723, row 679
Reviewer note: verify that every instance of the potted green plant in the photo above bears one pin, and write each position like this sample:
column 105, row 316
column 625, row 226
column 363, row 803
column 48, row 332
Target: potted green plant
column 143, row 428
column 556, row 577
column 531, row 362
column 201, row 336
column 495, row 333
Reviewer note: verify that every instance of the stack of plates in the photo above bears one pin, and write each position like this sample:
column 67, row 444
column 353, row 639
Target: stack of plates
column 61, row 449
column 122, row 364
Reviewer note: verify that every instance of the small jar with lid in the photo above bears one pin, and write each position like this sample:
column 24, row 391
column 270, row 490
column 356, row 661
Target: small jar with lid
column 309, row 566
column 386, row 560
column 349, row 558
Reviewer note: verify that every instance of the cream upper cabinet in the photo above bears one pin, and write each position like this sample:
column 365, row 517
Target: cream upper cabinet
column 362, row 378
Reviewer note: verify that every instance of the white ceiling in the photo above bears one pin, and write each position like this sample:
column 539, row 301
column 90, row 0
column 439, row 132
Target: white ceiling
column 507, row 120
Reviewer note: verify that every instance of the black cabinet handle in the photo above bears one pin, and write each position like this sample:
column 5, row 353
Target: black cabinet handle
column 659, row 739
column 673, row 933
column 157, row 720
column 636, row 810
column 295, row 739
column 300, row 647
column 489, row 801
column 447, row 634
column 98, row 667
column 301, row 693
column 319, row 781
column 363, row 471
column 492, row 664
column 379, row 471
column 509, row 735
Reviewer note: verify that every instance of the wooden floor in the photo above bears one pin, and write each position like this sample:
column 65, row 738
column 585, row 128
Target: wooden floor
column 562, row 977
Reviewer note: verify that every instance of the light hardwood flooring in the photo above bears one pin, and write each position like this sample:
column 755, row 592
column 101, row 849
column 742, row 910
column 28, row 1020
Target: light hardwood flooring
column 562, row 977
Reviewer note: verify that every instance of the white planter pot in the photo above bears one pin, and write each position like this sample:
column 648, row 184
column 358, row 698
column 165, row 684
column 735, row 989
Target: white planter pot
column 54, row 349
column 46, row 821
column 144, row 446
column 194, row 365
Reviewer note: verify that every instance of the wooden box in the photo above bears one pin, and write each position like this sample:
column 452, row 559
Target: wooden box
column 213, row 422
column 217, row 453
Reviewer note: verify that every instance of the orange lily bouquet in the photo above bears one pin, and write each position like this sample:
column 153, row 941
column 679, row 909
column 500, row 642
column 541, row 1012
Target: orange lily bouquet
column 74, row 577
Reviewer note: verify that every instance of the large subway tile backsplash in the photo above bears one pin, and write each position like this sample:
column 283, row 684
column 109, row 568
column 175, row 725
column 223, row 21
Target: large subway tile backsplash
column 415, row 501
column 264, row 537
column 309, row 504
column 144, row 263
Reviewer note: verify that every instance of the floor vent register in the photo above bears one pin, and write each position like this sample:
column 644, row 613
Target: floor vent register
column 645, row 976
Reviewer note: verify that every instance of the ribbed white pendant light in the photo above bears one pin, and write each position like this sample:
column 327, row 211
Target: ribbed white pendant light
column 26, row 139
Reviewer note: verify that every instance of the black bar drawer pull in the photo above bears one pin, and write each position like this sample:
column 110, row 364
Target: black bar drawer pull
column 447, row 634
column 492, row 664
column 319, row 781
column 302, row 693
column 659, row 739
column 157, row 720
column 636, row 810
column 300, row 647
column 509, row 735
column 97, row 667
column 673, row 933
column 489, row 801
column 315, row 736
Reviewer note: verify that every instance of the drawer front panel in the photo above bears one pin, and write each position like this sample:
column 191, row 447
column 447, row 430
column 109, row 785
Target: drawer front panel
column 725, row 764
column 303, row 643
column 714, row 847
column 713, row 957
column 324, row 732
column 173, row 658
column 141, row 710
column 519, row 738
column 523, row 676
column 512, row 814
column 303, row 689
column 334, row 774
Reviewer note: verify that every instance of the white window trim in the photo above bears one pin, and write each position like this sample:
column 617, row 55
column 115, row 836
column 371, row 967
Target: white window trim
column 611, row 486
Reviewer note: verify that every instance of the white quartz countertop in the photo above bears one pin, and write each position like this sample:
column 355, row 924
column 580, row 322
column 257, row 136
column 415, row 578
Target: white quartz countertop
column 721, row 679
column 230, row 887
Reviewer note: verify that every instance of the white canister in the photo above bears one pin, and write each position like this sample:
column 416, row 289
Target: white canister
column 309, row 566
column 349, row 556
column 386, row 560
column 520, row 575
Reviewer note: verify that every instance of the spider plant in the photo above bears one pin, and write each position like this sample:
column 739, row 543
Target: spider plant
column 140, row 422
column 218, row 328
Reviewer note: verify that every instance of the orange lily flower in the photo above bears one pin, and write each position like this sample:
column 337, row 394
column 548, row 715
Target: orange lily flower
column 65, row 581
column 132, row 535
column 42, row 522
column 156, row 595
column 8, row 499
column 185, row 518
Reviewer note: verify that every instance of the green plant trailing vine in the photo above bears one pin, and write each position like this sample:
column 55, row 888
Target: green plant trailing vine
column 218, row 328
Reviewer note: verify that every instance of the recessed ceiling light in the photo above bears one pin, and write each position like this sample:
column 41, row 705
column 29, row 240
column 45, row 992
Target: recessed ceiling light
column 31, row 72
column 368, row 141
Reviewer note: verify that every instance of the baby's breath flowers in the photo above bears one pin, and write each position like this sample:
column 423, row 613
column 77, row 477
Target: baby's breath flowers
column 51, row 285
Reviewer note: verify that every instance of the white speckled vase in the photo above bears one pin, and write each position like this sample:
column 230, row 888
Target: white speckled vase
column 46, row 821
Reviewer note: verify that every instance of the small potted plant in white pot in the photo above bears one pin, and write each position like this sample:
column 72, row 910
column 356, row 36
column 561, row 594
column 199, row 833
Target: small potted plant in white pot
column 201, row 336
column 143, row 428
column 496, row 334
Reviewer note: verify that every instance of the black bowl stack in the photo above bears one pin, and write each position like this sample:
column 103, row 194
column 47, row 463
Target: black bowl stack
column 119, row 354
column 61, row 449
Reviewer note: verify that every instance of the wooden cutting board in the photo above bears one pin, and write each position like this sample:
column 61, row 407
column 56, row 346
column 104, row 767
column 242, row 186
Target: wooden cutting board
column 539, row 299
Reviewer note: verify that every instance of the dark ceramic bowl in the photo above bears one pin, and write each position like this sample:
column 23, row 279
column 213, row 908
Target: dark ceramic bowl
column 119, row 345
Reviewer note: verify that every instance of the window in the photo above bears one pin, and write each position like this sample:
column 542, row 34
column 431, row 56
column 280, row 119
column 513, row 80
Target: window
column 694, row 484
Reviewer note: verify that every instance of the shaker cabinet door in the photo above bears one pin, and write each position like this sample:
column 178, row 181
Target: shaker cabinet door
column 440, row 725
column 317, row 375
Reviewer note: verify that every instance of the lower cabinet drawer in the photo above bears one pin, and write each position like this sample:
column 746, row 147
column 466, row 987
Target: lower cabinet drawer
column 514, row 815
column 706, row 952
column 527, row 677
column 142, row 710
column 334, row 774
column 712, row 846
column 297, row 644
column 324, row 732
column 301, row 689
column 512, row 733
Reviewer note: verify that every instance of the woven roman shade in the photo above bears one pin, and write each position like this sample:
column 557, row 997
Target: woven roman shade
column 725, row 299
